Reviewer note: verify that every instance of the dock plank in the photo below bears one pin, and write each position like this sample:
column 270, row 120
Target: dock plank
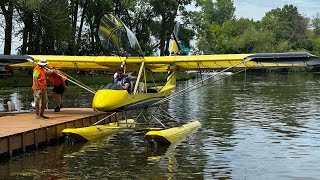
column 18, row 123
column 19, row 130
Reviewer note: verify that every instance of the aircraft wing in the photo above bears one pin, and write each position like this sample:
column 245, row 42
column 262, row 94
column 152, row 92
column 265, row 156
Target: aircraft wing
column 223, row 61
column 165, row 63
column 13, row 59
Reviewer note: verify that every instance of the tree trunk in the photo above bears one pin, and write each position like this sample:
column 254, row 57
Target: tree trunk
column 31, row 28
column 74, row 26
column 24, row 40
column 36, row 38
column 27, row 20
column 8, row 30
column 91, row 34
column 96, row 39
column 81, row 25
column 167, row 28
column 117, row 8
column 163, row 35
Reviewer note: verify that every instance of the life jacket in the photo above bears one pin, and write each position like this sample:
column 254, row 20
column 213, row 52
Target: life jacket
column 122, row 82
column 55, row 78
column 41, row 79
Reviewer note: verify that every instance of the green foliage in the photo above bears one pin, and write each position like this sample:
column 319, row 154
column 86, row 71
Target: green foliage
column 142, row 23
column 23, row 78
column 281, row 30
column 167, row 11
column 52, row 26
column 217, row 12
column 162, row 77
column 214, row 25
column 315, row 24
column 315, row 46
column 253, row 40
column 46, row 25
column 185, row 35
column 287, row 24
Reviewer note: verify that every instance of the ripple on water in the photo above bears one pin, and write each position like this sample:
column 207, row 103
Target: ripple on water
column 258, row 127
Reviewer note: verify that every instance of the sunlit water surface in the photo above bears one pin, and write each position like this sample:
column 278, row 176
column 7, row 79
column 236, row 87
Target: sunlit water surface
column 253, row 127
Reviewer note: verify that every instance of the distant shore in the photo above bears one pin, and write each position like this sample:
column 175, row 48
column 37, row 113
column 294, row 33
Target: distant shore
column 23, row 78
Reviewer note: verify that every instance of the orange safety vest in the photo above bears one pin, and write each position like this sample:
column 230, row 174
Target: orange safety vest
column 41, row 79
column 55, row 78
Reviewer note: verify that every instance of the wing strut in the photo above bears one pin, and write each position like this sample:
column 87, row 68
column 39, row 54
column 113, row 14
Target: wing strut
column 74, row 82
column 198, row 84
column 138, row 78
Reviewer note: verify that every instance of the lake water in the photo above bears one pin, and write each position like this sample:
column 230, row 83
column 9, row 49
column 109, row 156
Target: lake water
column 253, row 127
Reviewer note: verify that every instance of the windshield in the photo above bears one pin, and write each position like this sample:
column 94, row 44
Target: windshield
column 116, row 37
column 113, row 86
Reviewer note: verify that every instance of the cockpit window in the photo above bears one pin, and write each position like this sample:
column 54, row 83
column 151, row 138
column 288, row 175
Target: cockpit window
column 113, row 86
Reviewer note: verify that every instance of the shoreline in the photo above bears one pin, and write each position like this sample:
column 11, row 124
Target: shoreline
column 23, row 78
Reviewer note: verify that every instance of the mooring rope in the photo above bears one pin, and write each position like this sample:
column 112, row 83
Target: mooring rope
column 199, row 84
column 74, row 81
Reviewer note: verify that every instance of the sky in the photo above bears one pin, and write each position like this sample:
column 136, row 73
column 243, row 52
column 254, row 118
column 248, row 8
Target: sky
column 256, row 9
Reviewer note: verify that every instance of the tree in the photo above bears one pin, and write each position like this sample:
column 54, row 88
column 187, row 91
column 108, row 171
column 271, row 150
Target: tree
column 287, row 24
column 7, row 11
column 219, row 11
column 141, row 23
column 253, row 41
column 315, row 24
column 167, row 10
column 46, row 26
column 214, row 25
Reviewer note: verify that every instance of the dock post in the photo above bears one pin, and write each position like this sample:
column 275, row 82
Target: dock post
column 47, row 136
column 9, row 146
column 35, row 139
column 23, row 144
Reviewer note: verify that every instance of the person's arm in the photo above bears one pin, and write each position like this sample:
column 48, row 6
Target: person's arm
column 126, row 84
column 64, row 84
column 49, row 72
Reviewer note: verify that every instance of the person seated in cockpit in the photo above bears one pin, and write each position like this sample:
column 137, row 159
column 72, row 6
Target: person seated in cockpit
column 121, row 79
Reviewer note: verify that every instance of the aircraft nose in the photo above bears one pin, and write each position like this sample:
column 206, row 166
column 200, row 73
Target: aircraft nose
column 108, row 99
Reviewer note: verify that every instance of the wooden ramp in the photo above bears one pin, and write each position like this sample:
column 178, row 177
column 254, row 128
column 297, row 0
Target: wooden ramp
column 18, row 131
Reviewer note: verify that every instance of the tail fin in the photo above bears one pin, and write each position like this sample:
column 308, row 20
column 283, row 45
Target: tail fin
column 174, row 47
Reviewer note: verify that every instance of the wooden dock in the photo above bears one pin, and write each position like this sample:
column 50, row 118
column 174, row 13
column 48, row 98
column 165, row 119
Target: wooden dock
column 20, row 131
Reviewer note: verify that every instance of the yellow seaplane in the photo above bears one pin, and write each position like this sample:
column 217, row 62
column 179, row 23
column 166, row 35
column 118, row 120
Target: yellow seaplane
column 114, row 34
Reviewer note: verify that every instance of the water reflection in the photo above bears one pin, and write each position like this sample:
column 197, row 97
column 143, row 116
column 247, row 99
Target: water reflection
column 17, row 96
column 254, row 127
column 22, row 98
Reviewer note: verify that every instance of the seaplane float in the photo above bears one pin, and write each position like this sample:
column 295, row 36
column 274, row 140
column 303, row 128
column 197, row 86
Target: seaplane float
column 116, row 37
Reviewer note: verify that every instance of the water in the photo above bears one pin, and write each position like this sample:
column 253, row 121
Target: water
column 253, row 127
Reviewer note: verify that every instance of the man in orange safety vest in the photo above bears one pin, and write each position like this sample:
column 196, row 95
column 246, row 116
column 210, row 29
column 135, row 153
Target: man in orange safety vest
column 39, row 87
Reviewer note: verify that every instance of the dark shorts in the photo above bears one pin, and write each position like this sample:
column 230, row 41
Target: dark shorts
column 59, row 88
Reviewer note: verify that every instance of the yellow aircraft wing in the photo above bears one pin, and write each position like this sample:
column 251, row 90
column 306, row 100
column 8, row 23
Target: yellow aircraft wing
column 164, row 63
